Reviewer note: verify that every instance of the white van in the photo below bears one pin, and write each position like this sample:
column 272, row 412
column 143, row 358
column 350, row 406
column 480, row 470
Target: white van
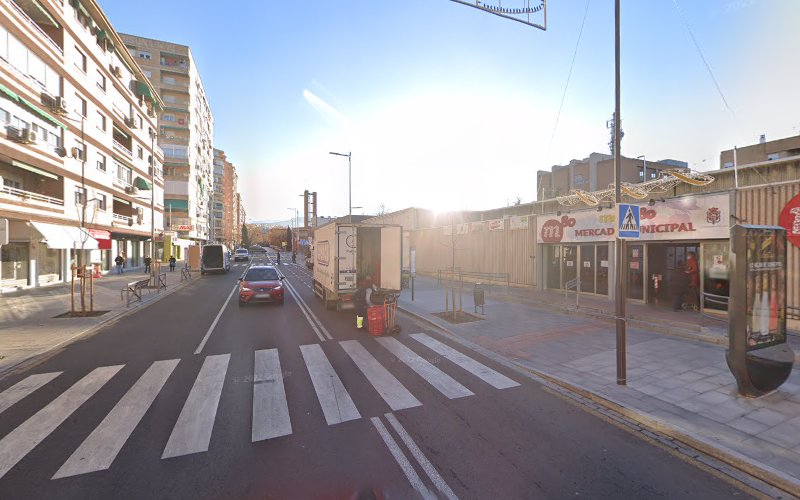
column 216, row 258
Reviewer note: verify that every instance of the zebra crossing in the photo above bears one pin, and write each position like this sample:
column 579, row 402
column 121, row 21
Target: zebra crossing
column 193, row 429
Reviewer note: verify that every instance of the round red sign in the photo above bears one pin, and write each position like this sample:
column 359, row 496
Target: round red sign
column 790, row 219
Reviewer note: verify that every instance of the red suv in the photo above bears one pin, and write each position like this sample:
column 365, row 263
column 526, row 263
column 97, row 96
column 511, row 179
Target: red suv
column 261, row 284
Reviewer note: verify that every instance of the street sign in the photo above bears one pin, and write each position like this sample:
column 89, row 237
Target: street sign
column 3, row 231
column 628, row 221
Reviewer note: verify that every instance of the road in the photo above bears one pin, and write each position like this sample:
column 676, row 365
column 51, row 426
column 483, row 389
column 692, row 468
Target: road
column 195, row 397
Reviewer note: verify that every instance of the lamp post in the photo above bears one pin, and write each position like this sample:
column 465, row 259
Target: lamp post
column 349, row 184
column 644, row 168
column 153, row 198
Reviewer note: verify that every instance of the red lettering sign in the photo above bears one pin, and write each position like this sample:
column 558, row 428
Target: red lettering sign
column 790, row 220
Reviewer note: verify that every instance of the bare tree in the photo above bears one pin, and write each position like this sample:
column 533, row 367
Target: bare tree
column 382, row 209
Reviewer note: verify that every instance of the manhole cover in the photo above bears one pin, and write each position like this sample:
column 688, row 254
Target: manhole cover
column 81, row 314
column 460, row 317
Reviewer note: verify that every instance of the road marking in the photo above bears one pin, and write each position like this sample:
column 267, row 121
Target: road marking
column 99, row 450
column 19, row 442
column 422, row 460
column 270, row 409
column 307, row 311
column 214, row 324
column 192, row 431
column 337, row 406
column 390, row 389
column 446, row 384
column 299, row 302
column 480, row 370
column 16, row 392
column 401, row 459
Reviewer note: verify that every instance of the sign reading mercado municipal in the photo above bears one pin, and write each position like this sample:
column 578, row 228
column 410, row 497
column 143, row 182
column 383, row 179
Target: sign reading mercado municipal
column 687, row 218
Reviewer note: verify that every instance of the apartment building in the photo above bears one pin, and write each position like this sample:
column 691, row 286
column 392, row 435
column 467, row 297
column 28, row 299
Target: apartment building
column 230, row 188
column 80, row 173
column 596, row 172
column 761, row 152
column 239, row 218
column 185, row 134
column 217, row 228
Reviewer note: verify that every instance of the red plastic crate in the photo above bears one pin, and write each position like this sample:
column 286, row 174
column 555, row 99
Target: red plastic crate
column 375, row 320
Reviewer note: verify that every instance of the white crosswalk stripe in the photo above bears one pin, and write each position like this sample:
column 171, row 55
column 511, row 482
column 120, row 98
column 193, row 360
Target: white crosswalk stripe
column 270, row 408
column 24, row 387
column 434, row 376
column 19, row 442
column 99, row 450
column 390, row 389
column 192, row 432
column 480, row 370
column 337, row 405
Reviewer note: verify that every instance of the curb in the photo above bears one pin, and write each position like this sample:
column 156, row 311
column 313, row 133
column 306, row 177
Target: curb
column 770, row 476
column 106, row 321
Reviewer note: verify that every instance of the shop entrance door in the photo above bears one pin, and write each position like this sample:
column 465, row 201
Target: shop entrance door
column 569, row 271
column 553, row 262
column 635, row 270
column 601, row 265
column 663, row 261
column 587, row 268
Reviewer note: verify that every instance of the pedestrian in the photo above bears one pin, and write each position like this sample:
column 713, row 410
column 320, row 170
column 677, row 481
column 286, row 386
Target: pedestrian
column 171, row 263
column 362, row 300
column 119, row 261
column 147, row 262
column 693, row 272
column 678, row 285
column 279, row 257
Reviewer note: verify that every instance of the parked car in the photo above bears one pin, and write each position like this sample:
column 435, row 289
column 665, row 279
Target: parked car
column 261, row 284
column 241, row 254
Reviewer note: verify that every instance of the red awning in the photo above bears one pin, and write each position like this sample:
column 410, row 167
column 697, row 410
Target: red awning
column 103, row 238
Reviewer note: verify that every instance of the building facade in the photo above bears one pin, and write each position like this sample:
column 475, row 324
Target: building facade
column 81, row 172
column 597, row 172
column 230, row 188
column 217, row 228
column 762, row 151
column 185, row 134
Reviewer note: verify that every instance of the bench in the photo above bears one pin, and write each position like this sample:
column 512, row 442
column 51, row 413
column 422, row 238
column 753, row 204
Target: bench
column 134, row 290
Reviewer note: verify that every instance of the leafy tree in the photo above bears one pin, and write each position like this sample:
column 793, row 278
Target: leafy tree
column 245, row 236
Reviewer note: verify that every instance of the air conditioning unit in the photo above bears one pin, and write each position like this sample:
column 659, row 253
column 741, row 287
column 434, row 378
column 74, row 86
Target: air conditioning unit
column 131, row 190
column 62, row 152
column 139, row 215
column 60, row 105
column 77, row 153
column 116, row 71
column 27, row 136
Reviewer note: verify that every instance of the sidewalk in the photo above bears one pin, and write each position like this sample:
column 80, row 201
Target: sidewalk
column 28, row 326
column 676, row 383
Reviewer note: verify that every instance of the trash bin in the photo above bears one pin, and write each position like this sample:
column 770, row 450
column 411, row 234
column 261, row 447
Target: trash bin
column 478, row 296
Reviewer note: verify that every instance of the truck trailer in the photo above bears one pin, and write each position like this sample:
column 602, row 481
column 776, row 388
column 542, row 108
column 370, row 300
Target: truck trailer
column 346, row 254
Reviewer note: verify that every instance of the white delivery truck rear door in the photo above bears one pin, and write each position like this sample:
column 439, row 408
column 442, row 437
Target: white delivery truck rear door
column 347, row 243
column 391, row 257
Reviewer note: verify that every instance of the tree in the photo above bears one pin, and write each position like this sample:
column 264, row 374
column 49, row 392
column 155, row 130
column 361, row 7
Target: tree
column 245, row 236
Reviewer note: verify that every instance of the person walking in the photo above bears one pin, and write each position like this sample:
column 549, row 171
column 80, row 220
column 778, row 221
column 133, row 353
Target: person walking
column 693, row 272
column 147, row 262
column 678, row 285
column 362, row 300
column 119, row 261
column 171, row 263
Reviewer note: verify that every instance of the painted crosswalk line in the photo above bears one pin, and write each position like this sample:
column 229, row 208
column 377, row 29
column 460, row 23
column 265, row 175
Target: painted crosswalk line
column 24, row 387
column 192, row 431
column 19, row 442
column 434, row 376
column 336, row 403
column 491, row 377
column 390, row 389
column 270, row 408
column 99, row 450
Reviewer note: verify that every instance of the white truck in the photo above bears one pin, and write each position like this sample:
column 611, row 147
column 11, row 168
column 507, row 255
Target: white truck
column 345, row 254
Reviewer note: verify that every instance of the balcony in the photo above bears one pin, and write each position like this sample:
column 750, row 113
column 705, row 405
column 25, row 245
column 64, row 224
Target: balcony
column 120, row 147
column 43, row 18
column 7, row 192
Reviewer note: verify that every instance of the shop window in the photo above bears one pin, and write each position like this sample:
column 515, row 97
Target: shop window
column 14, row 259
column 48, row 265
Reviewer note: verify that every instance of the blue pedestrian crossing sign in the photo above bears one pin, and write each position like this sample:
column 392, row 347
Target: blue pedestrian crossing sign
column 628, row 221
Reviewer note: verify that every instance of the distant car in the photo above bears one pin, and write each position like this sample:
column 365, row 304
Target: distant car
column 261, row 284
column 241, row 254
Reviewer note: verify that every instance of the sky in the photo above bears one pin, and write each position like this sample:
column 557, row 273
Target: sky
column 446, row 107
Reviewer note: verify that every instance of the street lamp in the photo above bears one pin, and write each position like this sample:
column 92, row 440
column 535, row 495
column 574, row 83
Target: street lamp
column 349, row 185
column 644, row 168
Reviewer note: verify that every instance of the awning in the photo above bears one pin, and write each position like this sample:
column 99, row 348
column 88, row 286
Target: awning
column 176, row 204
column 10, row 94
column 103, row 238
column 65, row 237
column 31, row 168
column 42, row 114
column 141, row 183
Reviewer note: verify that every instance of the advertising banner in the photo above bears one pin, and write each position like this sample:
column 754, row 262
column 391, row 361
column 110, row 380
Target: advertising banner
column 496, row 224
column 519, row 222
column 686, row 218
column 766, row 285
column 790, row 220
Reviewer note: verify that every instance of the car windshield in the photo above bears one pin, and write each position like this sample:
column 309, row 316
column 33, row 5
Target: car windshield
column 261, row 275
column 241, row 251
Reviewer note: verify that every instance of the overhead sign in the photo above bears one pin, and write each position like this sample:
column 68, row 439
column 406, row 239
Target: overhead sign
column 702, row 217
column 185, row 227
column 3, row 231
column 629, row 217
column 790, row 220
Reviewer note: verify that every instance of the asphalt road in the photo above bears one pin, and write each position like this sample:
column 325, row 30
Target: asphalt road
column 293, row 402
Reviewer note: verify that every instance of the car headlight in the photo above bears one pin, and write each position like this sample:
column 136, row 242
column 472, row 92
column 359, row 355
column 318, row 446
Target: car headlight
column 278, row 288
column 245, row 289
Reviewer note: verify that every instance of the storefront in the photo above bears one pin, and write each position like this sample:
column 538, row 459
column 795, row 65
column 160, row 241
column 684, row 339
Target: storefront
column 578, row 247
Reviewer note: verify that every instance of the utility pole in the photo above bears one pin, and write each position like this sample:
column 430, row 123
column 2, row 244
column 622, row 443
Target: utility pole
column 621, row 293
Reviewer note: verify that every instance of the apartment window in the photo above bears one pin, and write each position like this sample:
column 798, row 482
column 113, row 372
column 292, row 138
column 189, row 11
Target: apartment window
column 102, row 123
column 168, row 118
column 145, row 55
column 101, row 80
column 140, row 152
column 169, row 98
column 80, row 195
column 101, row 162
column 140, row 121
column 80, row 60
column 102, row 202
column 124, row 174
column 641, row 173
column 169, row 80
column 81, row 151
column 80, row 106
column 5, row 116
column 148, row 73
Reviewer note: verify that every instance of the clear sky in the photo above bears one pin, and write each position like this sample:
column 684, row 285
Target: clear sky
column 447, row 107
